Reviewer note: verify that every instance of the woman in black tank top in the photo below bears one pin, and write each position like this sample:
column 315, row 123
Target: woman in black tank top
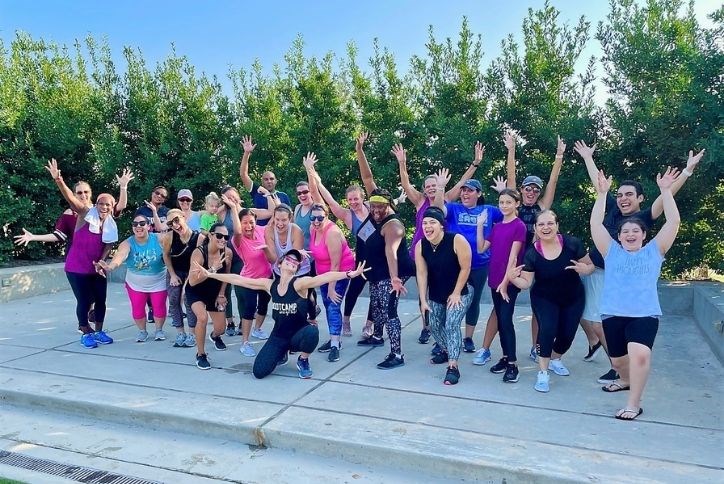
column 288, row 293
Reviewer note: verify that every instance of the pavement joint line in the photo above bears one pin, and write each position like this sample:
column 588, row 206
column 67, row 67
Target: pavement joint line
column 517, row 438
column 114, row 459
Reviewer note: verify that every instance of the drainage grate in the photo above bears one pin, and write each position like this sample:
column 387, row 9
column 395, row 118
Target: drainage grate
column 75, row 473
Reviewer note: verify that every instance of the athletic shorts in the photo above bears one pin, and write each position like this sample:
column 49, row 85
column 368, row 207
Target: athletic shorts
column 593, row 286
column 621, row 330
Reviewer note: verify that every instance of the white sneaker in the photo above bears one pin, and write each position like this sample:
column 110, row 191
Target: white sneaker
column 542, row 384
column 247, row 350
column 558, row 368
column 259, row 333
column 160, row 335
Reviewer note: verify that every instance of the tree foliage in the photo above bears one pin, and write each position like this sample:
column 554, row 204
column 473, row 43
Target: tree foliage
column 177, row 127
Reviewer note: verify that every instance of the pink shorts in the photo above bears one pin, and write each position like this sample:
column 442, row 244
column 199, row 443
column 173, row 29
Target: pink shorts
column 140, row 299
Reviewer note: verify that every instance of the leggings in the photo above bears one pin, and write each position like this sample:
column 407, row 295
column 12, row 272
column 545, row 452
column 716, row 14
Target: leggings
column 356, row 286
column 255, row 301
column 383, row 305
column 476, row 279
column 445, row 325
column 557, row 323
column 139, row 299
column 504, row 312
column 236, row 265
column 304, row 340
column 88, row 289
column 334, row 315
column 174, row 302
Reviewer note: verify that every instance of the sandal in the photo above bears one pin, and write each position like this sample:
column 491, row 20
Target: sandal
column 614, row 387
column 620, row 414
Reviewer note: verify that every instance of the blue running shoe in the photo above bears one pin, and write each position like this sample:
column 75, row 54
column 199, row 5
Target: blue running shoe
column 88, row 341
column 482, row 357
column 303, row 366
column 102, row 338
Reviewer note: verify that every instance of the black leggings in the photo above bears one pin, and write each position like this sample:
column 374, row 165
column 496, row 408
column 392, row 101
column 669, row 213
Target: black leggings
column 476, row 279
column 236, row 267
column 356, row 285
column 557, row 323
column 89, row 289
column 304, row 340
column 255, row 301
column 504, row 312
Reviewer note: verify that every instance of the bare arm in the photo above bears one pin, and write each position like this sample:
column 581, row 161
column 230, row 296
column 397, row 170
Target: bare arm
column 338, row 211
column 334, row 246
column 304, row 283
column 248, row 146
column 416, row 198
column 201, row 274
column 481, row 245
column 465, row 255
column 454, row 193
column 364, row 167
column 665, row 238
column 509, row 139
column 586, row 153
column 26, row 237
column 546, row 200
column 123, row 182
column 657, row 208
column 599, row 234
column 312, row 177
column 166, row 246
column 443, row 177
column 519, row 278
column 119, row 258
column 75, row 203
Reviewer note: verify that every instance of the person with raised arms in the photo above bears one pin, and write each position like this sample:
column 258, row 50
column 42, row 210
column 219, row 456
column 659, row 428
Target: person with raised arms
column 268, row 182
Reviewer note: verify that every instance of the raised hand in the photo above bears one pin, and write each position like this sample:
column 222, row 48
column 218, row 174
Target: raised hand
column 263, row 191
column 443, row 177
column 24, row 239
column 479, row 152
column 500, row 184
column 561, row 147
column 399, row 153
column 309, row 160
column 359, row 146
column 509, row 140
column 583, row 149
column 401, row 199
column 53, row 169
column 603, row 184
column 232, row 202
column 693, row 160
column 125, row 178
column 151, row 206
column 482, row 218
column 667, row 179
column 247, row 144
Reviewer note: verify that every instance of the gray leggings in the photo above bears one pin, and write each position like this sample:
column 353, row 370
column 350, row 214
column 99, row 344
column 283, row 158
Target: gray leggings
column 445, row 324
column 174, row 302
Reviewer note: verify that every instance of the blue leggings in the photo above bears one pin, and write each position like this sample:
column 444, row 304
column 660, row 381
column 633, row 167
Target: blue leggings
column 334, row 315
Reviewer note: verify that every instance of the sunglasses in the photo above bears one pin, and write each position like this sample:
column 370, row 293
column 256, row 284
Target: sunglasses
column 185, row 200
column 142, row 223
column 531, row 189
column 303, row 192
column 292, row 260
column 173, row 221
column 221, row 236
column 81, row 192
column 316, row 218
column 160, row 194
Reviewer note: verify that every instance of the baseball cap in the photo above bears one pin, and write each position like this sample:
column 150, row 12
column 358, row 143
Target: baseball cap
column 533, row 180
column 473, row 184
column 185, row 193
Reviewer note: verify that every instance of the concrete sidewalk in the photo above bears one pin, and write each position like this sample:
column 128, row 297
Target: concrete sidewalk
column 480, row 429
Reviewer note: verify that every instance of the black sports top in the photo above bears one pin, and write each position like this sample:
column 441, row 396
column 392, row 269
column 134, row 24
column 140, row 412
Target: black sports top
column 289, row 311
column 443, row 268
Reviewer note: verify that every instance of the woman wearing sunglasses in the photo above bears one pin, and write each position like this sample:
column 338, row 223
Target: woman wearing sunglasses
column 93, row 234
column 292, row 331
column 331, row 254
column 178, row 245
column 145, row 276
column 184, row 200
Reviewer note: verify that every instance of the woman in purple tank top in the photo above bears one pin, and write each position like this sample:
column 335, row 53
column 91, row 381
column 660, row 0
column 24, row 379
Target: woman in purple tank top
column 95, row 231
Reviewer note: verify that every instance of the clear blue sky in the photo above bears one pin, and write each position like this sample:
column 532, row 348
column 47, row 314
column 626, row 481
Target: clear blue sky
column 218, row 34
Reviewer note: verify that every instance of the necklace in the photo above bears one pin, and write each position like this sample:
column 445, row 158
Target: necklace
column 435, row 246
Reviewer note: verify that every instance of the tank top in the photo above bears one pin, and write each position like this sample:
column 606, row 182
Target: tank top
column 320, row 252
column 145, row 269
column 443, row 268
column 208, row 287
column 282, row 249
column 376, row 258
column 417, row 236
column 527, row 214
column 356, row 223
column 304, row 222
column 289, row 311
column 181, row 252
column 86, row 248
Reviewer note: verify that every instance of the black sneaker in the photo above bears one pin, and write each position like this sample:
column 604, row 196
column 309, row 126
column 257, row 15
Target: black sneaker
column 424, row 336
column 500, row 366
column 439, row 358
column 371, row 341
column 218, row 343
column 392, row 361
column 593, row 351
column 436, row 349
column 452, row 377
column 468, row 345
column 230, row 329
column 609, row 376
column 284, row 359
column 333, row 354
column 150, row 316
column 325, row 347
column 511, row 374
column 202, row 362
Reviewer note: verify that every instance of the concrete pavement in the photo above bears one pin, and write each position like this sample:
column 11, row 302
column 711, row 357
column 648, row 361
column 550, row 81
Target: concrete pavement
column 352, row 414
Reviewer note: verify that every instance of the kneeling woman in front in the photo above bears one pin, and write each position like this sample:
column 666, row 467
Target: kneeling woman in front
column 292, row 331
column 447, row 256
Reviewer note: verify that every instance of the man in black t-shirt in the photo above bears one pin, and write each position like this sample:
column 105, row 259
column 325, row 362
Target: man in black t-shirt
column 155, row 210
column 626, row 204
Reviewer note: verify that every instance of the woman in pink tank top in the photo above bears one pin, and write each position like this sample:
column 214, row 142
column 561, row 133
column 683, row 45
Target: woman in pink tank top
column 331, row 253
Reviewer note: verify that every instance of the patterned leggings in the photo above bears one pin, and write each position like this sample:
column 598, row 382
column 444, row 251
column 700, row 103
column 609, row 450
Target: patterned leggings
column 383, row 307
column 445, row 324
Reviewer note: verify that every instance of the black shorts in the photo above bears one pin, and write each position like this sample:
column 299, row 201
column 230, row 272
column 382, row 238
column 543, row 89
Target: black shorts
column 621, row 330
column 208, row 297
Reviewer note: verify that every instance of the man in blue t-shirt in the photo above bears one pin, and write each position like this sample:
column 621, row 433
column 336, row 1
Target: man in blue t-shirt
column 268, row 181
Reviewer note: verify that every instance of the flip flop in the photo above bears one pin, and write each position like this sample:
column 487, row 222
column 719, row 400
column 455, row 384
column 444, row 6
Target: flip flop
column 623, row 411
column 614, row 387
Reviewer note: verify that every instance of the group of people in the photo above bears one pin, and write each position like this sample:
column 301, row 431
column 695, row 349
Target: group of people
column 186, row 263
